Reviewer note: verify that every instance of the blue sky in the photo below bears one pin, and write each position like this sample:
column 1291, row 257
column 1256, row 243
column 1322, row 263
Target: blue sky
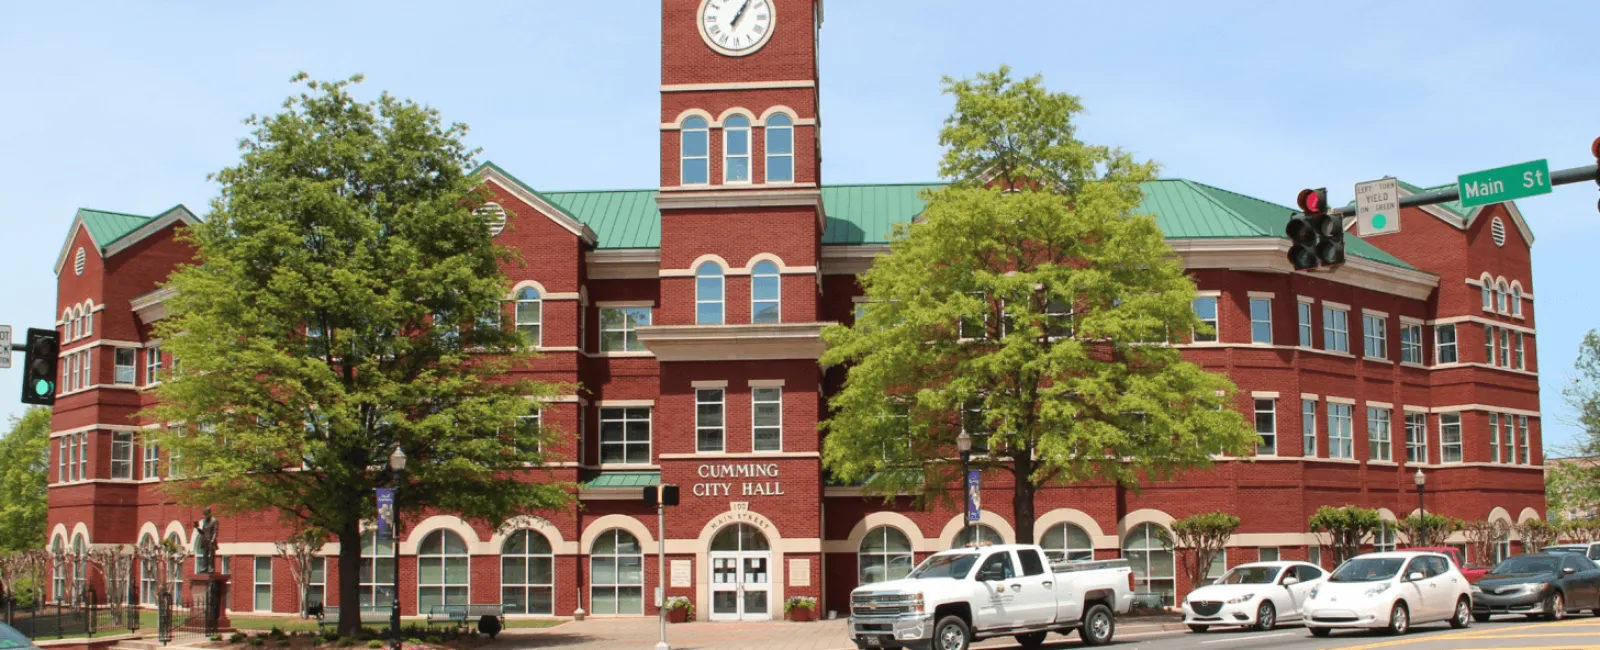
column 127, row 106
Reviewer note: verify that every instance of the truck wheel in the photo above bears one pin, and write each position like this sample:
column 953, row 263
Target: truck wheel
column 1032, row 639
column 1199, row 629
column 1320, row 631
column 951, row 633
column 1266, row 617
column 1099, row 625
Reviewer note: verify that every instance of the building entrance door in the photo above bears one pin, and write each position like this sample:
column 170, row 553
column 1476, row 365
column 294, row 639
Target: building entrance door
column 741, row 575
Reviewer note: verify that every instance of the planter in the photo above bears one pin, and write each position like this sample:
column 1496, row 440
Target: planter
column 678, row 615
column 800, row 615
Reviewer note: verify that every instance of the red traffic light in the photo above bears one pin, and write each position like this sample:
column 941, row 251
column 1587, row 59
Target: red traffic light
column 1594, row 148
column 1313, row 201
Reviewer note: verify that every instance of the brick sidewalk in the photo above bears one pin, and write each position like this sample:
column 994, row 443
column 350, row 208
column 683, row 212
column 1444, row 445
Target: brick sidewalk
column 640, row 634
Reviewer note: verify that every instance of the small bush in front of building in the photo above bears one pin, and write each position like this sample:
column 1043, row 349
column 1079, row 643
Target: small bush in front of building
column 374, row 644
column 330, row 636
column 276, row 633
column 237, row 637
column 257, row 642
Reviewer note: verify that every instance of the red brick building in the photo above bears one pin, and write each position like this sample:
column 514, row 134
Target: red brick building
column 690, row 313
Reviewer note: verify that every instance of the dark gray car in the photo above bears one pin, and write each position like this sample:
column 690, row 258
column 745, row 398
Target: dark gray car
column 1547, row 585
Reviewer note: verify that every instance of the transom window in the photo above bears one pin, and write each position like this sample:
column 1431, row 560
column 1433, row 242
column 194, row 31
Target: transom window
column 377, row 572
column 765, row 289
column 780, row 149
column 1335, row 329
column 619, row 328
column 442, row 570
column 708, row 285
column 1153, row 561
column 1067, row 542
column 694, row 152
column 1205, row 307
column 736, row 149
column 530, row 315
column 766, row 418
column 616, row 571
column 625, row 435
column 527, row 574
column 708, row 419
column 885, row 554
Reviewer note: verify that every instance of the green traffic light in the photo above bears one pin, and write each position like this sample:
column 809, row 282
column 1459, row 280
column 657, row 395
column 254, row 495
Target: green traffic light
column 42, row 387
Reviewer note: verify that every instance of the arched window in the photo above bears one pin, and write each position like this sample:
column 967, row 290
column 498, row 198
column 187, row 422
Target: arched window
column 740, row 537
column 708, row 294
column 1153, row 563
column 780, row 149
column 981, row 532
column 77, row 318
column 527, row 574
column 442, row 570
column 736, row 149
column 1488, row 293
column 1067, row 542
column 1504, row 295
column 147, row 570
column 885, row 555
column 765, row 286
column 72, row 324
column 175, row 570
column 530, row 315
column 88, row 319
column 694, row 152
column 1383, row 538
column 80, row 566
column 377, row 572
column 1516, row 300
column 66, row 325
column 58, row 570
column 616, row 574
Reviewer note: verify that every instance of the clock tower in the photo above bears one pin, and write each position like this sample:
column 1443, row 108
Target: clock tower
column 736, row 331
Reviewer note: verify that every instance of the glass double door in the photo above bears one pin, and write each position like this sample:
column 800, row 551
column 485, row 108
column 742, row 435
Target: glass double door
column 741, row 586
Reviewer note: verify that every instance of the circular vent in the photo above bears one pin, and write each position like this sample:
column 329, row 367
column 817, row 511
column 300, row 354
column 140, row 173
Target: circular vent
column 78, row 261
column 493, row 216
column 1497, row 229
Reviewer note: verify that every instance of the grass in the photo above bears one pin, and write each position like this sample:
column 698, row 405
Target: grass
column 265, row 623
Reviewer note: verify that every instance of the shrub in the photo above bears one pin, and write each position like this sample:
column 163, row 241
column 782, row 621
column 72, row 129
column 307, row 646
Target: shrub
column 801, row 602
column 257, row 642
column 374, row 644
column 330, row 636
column 283, row 642
column 237, row 637
column 433, row 638
column 345, row 641
column 275, row 632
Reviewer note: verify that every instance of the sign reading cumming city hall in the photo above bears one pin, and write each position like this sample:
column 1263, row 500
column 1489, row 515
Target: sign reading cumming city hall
column 743, row 485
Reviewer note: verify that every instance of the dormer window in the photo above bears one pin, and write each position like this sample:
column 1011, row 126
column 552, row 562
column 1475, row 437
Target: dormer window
column 695, row 152
column 780, row 149
column 736, row 149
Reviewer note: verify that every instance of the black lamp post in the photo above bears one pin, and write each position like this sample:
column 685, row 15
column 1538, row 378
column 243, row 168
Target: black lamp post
column 1422, row 504
column 397, row 462
column 964, row 445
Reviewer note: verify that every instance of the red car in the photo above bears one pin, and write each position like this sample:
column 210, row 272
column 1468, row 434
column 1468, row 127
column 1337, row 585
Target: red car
column 1472, row 573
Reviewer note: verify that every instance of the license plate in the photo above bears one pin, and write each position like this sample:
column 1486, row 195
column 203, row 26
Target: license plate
column 874, row 641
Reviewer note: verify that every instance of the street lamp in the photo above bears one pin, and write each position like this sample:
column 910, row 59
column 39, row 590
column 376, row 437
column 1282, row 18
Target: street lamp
column 964, row 445
column 1422, row 504
column 397, row 463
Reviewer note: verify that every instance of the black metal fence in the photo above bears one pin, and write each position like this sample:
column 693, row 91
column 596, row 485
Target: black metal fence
column 84, row 617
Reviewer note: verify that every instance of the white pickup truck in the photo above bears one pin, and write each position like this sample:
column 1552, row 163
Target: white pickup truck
column 962, row 595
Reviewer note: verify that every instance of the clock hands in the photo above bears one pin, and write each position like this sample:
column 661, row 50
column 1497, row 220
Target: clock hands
column 738, row 14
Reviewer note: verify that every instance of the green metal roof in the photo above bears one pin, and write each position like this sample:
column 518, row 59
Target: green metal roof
column 621, row 218
column 866, row 214
column 107, row 227
column 622, row 479
column 1271, row 218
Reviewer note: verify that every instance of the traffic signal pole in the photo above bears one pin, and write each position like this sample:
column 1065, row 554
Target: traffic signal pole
column 1453, row 193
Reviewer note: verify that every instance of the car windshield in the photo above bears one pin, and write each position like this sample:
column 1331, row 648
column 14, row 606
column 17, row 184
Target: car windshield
column 11, row 638
column 1526, row 564
column 1250, row 575
column 1367, row 569
column 954, row 565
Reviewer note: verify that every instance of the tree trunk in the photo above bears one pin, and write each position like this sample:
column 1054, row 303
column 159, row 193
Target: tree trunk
column 350, row 578
column 1022, row 496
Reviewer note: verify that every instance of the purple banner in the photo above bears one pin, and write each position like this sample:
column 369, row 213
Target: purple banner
column 386, row 514
column 974, row 504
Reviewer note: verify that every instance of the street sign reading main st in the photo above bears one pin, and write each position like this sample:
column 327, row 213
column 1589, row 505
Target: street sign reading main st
column 1504, row 183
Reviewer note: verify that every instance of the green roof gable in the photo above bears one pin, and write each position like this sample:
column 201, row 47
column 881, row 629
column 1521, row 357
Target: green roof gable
column 106, row 227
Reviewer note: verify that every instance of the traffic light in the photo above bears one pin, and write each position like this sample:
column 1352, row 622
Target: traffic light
column 1595, row 149
column 661, row 495
column 39, row 373
column 1318, row 237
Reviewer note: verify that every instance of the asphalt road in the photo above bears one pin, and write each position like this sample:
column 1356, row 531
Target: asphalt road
column 1502, row 633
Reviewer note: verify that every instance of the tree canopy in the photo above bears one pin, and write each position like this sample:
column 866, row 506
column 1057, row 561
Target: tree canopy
column 1346, row 527
column 1207, row 534
column 346, row 301
column 1031, row 307
column 24, row 476
column 1574, row 486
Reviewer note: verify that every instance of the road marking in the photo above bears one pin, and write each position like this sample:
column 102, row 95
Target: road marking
column 1467, row 634
column 1246, row 639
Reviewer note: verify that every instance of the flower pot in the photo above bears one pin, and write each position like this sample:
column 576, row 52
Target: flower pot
column 800, row 614
column 678, row 615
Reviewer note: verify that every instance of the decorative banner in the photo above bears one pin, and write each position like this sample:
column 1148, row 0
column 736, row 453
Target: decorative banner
column 386, row 525
column 974, row 504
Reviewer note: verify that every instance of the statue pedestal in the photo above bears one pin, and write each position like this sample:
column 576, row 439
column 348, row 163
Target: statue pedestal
column 203, row 590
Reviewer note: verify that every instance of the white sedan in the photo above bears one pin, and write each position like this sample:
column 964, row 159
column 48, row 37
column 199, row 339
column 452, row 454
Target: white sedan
column 1258, row 594
column 1392, row 592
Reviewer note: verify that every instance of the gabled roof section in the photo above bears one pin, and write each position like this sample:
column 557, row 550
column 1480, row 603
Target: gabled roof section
column 866, row 214
column 621, row 218
column 113, row 232
column 494, row 174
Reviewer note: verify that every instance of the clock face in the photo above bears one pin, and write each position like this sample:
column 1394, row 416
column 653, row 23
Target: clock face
column 736, row 27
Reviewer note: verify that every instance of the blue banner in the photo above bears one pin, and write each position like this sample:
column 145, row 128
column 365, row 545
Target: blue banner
column 386, row 514
column 974, row 504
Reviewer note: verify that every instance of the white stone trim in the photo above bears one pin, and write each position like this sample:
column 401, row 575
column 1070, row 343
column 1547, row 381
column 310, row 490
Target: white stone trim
column 1407, row 408
column 1381, row 405
column 780, row 573
column 1374, row 312
column 175, row 527
column 559, row 545
column 1144, row 516
column 97, row 427
column 1264, row 394
column 1097, row 537
column 895, row 520
column 1482, row 321
column 765, row 383
column 1335, row 305
column 621, row 354
column 1340, row 400
column 1305, row 299
column 625, row 304
column 740, row 454
column 1212, row 293
column 1267, row 295
column 550, row 211
column 709, row 383
column 627, row 403
column 1457, row 408
column 732, row 111
column 591, row 532
column 947, row 536
column 1310, row 396
column 1407, row 320
column 739, row 85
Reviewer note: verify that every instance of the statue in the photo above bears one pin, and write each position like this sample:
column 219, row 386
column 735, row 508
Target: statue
column 205, row 544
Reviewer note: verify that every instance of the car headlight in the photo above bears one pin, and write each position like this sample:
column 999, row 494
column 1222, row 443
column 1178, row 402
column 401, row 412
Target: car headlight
column 1532, row 587
column 918, row 605
column 1378, row 589
column 1476, row 589
column 1241, row 599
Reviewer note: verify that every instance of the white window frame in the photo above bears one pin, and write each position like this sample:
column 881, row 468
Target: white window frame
column 1508, row 434
column 1526, row 457
column 1219, row 565
column 1450, row 438
column 1416, row 438
column 885, row 556
column 83, row 456
column 316, row 583
column 525, row 583
column 1271, row 411
column 373, row 555
column 1336, row 329
column 125, row 374
column 444, row 586
column 1383, row 539
column 1308, row 427
column 152, row 460
column 1488, row 346
column 623, row 416
column 122, row 455
column 529, row 296
column 1380, row 434
column 700, row 276
column 1440, row 345
column 1522, row 357
column 703, row 397
column 1262, row 552
column 692, row 127
column 1502, row 297
column 616, row 558
column 1411, row 343
column 1341, row 414
column 61, row 459
column 777, row 122
column 85, row 375
column 628, row 331
column 1494, row 438
column 1374, row 336
column 1487, row 285
column 257, row 584
column 1255, row 322
column 1303, row 316
column 755, row 428
column 152, row 365
column 1505, row 348
column 1215, row 321
column 736, row 126
column 1516, row 300
column 758, row 273
column 1066, row 550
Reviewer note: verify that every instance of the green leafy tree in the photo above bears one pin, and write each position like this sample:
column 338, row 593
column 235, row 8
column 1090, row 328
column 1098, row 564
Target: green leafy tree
column 1428, row 531
column 1206, row 535
column 345, row 302
column 1574, row 486
column 1346, row 527
column 1482, row 537
column 1034, row 320
column 24, row 469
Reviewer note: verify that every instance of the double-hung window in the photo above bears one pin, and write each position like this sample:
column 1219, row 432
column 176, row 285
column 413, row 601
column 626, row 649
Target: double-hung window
column 694, row 152
column 152, row 364
column 1522, row 359
column 1417, row 438
column 1308, row 426
column 1488, row 345
column 263, row 584
column 1267, row 427
column 124, row 361
column 1488, row 294
column 765, row 288
column 1508, row 434
column 1303, row 311
column 780, row 148
column 1260, row 320
column 1450, row 437
column 1058, row 316
column 122, row 455
column 1522, row 440
column 1505, row 349
column 1205, row 307
column 1410, row 343
column 736, row 149
column 619, row 328
column 1494, row 437
column 1341, row 431
column 1374, row 336
column 708, row 286
column 708, row 419
column 1444, row 344
column 152, row 460
column 530, row 316
column 625, row 436
column 1335, row 329
column 1378, row 434
column 83, row 454
column 766, row 418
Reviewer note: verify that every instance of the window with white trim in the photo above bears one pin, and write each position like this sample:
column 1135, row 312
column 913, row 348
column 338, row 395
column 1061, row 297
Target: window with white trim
column 1068, row 542
column 1205, row 307
column 85, row 376
column 262, row 600
column 1522, row 440
column 1374, row 336
column 765, row 289
column 708, row 286
column 88, row 320
column 61, row 459
column 766, row 418
column 1505, row 347
column 1508, row 435
column 1417, row 438
column 1444, row 343
column 1379, row 439
column 152, row 459
column 1494, row 437
column 1410, row 343
column 1303, row 310
column 885, row 554
column 1341, row 431
column 1335, row 329
column 780, row 148
column 152, row 364
column 443, row 570
column 616, row 570
column 1058, row 319
column 174, row 455
column 528, row 428
column 1150, row 553
column 736, row 149
column 316, row 583
column 625, row 435
column 1450, row 437
column 1267, row 427
column 694, row 152
column 1260, row 320
column 1219, row 565
column 1503, row 297
column 619, row 328
column 1522, row 359
column 1383, row 538
column 1308, row 427
column 124, row 362
column 122, row 455
column 529, row 316
column 1269, row 554
column 1516, row 300
column 527, row 573
column 1488, row 293
column 1488, row 345
column 709, row 409
column 377, row 572
column 147, row 570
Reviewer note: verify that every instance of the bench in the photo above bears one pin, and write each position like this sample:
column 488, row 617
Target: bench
column 463, row 615
column 329, row 615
